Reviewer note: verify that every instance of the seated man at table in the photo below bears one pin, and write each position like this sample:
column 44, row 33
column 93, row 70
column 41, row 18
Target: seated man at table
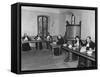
column 78, row 42
column 88, row 47
column 26, row 46
column 60, row 40
column 38, row 38
column 49, row 40
column 75, row 45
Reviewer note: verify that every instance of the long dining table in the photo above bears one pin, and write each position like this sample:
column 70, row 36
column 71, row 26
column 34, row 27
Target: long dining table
column 85, row 56
column 35, row 41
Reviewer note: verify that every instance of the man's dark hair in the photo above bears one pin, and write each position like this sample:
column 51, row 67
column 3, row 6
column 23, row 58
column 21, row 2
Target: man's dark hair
column 77, row 37
column 89, row 37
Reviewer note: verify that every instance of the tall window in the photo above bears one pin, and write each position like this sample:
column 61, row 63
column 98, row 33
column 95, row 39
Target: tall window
column 42, row 25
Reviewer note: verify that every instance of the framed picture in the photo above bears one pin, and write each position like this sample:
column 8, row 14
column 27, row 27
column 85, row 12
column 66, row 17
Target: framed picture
column 52, row 38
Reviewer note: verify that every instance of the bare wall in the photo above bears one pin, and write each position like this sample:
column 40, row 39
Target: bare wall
column 57, row 22
column 29, row 22
column 88, row 24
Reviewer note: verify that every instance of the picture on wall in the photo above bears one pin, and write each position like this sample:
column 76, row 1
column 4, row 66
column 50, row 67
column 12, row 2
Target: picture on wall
column 49, row 38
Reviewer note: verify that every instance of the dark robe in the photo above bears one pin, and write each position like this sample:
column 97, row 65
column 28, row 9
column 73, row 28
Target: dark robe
column 91, row 45
column 74, row 56
column 38, row 44
column 26, row 46
column 60, row 41
column 80, row 43
column 48, row 42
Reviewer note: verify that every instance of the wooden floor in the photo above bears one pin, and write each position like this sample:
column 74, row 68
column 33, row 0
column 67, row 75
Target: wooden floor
column 44, row 59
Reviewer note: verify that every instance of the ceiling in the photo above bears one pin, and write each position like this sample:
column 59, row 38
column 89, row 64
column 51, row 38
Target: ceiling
column 53, row 10
column 42, row 9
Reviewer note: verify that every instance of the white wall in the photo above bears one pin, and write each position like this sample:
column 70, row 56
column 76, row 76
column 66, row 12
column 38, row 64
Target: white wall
column 29, row 22
column 88, row 24
column 57, row 22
